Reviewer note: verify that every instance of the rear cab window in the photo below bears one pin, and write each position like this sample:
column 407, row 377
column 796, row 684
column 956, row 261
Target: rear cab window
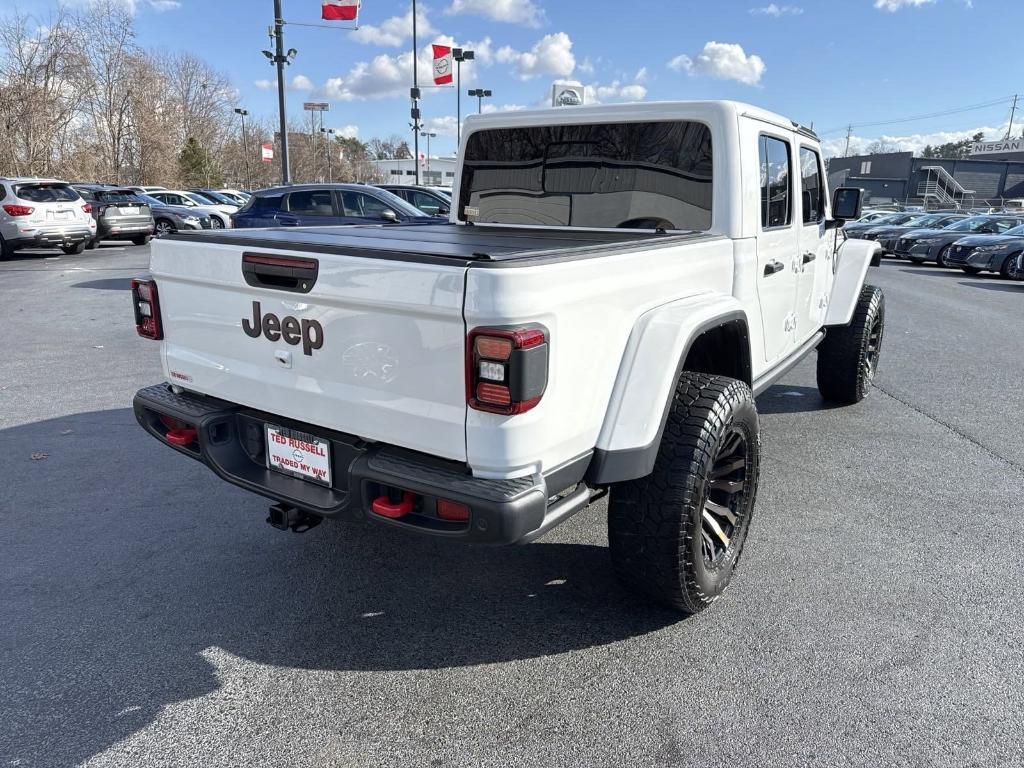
column 46, row 193
column 650, row 175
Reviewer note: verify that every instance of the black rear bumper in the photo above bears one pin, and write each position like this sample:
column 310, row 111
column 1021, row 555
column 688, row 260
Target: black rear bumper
column 230, row 440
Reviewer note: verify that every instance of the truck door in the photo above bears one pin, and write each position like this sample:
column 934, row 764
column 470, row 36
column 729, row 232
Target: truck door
column 778, row 244
column 815, row 257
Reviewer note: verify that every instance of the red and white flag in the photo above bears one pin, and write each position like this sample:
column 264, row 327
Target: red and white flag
column 267, row 152
column 340, row 10
column 442, row 65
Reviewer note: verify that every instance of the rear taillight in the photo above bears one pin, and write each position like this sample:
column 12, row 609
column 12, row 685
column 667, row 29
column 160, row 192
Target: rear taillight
column 19, row 210
column 506, row 369
column 87, row 207
column 147, row 309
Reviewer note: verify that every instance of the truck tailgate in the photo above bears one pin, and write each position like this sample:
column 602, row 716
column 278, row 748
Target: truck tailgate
column 374, row 348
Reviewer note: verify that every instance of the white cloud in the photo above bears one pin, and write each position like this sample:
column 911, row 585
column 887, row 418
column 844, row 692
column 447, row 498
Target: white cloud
column 301, row 83
column 551, row 55
column 266, row 85
column 604, row 93
column 776, row 11
column 348, row 131
column 447, row 125
column 393, row 31
column 164, row 5
column 914, row 142
column 724, row 61
column 894, row 5
column 586, row 67
column 525, row 12
column 490, row 109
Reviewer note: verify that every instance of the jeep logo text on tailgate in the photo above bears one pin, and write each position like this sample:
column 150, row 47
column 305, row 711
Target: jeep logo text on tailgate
column 292, row 330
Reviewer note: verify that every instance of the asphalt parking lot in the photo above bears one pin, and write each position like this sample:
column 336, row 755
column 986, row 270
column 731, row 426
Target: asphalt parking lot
column 151, row 618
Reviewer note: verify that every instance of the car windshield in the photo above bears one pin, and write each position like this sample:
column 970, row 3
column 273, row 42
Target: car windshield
column 151, row 200
column 925, row 221
column 892, row 218
column 198, row 199
column 1016, row 231
column 218, row 198
column 394, row 201
column 46, row 193
column 969, row 225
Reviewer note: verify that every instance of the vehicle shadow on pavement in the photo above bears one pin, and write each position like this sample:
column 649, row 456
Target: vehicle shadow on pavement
column 785, row 398
column 1014, row 287
column 124, row 561
column 107, row 284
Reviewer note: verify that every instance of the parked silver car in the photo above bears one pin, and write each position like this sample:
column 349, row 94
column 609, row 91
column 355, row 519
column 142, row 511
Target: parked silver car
column 220, row 216
column 43, row 213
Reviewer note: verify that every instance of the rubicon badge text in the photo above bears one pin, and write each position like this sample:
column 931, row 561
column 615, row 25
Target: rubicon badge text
column 294, row 331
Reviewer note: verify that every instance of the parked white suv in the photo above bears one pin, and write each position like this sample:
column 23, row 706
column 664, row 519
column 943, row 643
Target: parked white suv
column 614, row 287
column 43, row 213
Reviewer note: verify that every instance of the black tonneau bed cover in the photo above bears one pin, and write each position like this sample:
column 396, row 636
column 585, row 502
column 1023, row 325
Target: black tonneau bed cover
column 442, row 242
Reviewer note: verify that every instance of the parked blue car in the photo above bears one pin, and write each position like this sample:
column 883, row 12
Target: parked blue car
column 312, row 205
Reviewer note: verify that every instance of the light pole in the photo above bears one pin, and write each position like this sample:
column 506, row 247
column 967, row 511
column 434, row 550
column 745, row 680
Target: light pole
column 279, row 58
column 414, row 92
column 245, row 148
column 330, row 141
column 460, row 56
column 480, row 94
column 429, row 137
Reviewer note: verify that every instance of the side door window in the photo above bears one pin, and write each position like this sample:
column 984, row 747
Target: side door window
column 426, row 203
column 778, row 244
column 314, row 206
column 814, row 260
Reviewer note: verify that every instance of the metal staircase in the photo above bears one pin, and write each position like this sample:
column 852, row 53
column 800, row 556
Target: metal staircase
column 941, row 189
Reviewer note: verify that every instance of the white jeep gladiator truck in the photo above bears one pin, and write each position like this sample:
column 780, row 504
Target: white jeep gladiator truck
column 613, row 288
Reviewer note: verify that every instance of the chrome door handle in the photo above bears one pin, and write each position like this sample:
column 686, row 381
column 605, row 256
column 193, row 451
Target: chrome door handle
column 809, row 257
column 773, row 267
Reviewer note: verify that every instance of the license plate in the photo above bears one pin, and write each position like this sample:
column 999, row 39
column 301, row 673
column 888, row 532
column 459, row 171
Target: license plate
column 299, row 455
column 60, row 215
column 129, row 211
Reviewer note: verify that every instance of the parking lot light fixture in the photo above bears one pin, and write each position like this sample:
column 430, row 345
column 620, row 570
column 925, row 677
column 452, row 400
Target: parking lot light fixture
column 480, row 94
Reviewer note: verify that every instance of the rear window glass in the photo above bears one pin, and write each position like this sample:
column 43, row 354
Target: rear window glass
column 118, row 196
column 638, row 175
column 46, row 193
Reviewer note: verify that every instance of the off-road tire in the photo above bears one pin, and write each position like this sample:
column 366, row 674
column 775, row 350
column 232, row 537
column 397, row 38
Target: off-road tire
column 1008, row 270
column 971, row 270
column 848, row 357
column 656, row 524
column 940, row 257
column 74, row 250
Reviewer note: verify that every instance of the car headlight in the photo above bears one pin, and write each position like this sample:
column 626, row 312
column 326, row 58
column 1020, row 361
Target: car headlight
column 925, row 241
column 989, row 248
column 191, row 219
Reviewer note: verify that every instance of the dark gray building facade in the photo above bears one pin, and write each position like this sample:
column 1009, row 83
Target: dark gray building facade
column 899, row 177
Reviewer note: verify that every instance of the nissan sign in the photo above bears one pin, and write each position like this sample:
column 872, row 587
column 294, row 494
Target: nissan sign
column 998, row 147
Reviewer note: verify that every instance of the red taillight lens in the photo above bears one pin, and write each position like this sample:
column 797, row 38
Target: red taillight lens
column 19, row 210
column 147, row 309
column 452, row 511
column 87, row 207
column 506, row 369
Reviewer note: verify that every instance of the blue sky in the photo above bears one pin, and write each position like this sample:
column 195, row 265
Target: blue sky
column 830, row 62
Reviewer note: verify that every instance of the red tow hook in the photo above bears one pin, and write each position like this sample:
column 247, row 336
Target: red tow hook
column 181, row 436
column 382, row 506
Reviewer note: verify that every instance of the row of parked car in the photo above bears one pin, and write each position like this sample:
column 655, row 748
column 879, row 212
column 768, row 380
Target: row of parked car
column 991, row 242
column 44, row 213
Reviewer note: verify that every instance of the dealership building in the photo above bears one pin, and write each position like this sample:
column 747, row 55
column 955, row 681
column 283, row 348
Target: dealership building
column 992, row 174
column 435, row 172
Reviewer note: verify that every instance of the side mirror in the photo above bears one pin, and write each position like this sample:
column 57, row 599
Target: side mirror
column 388, row 215
column 846, row 204
column 443, row 212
